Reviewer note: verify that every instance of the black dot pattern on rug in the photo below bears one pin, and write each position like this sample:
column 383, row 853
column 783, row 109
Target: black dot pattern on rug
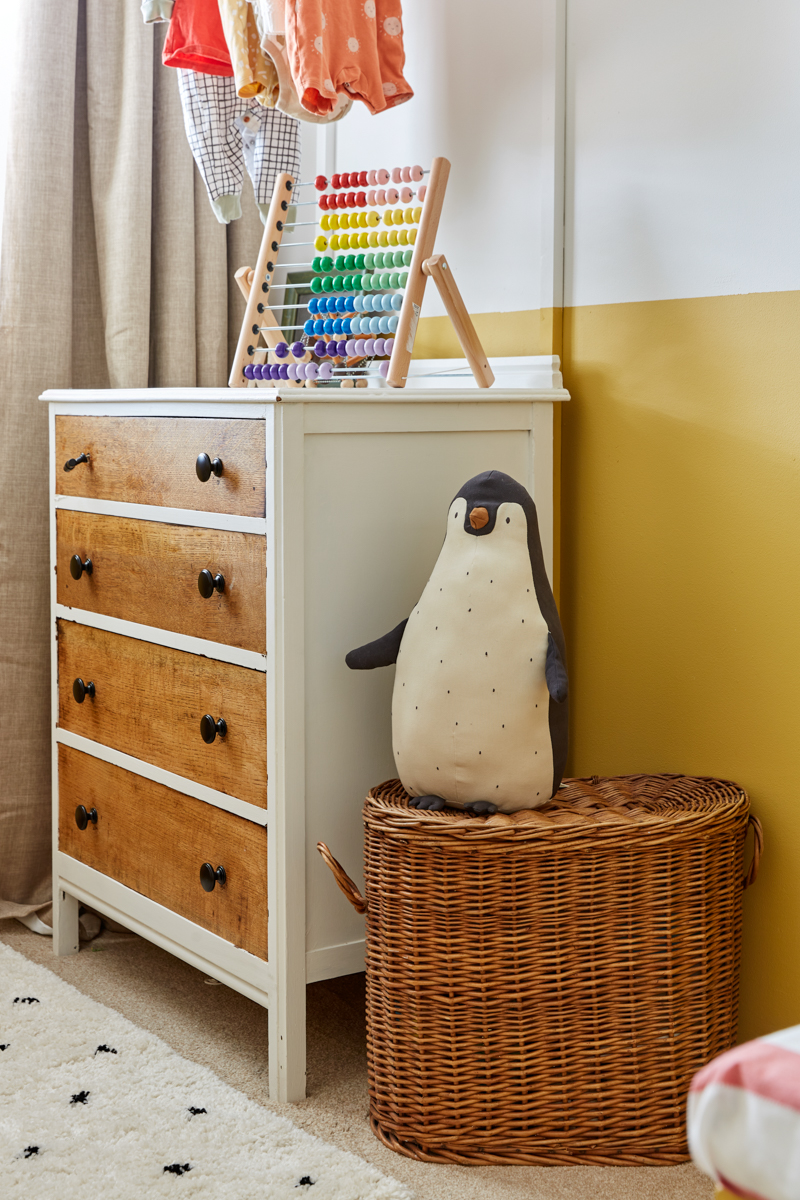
column 80, row 1098
column 104, row 1049
column 30, row 1151
column 177, row 1168
column 195, row 1112
column 25, row 1000
column 306, row 1181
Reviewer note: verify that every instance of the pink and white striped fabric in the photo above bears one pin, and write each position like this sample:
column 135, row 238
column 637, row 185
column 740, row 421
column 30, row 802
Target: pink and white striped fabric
column 744, row 1118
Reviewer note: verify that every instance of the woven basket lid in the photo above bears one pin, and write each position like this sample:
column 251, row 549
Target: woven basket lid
column 604, row 806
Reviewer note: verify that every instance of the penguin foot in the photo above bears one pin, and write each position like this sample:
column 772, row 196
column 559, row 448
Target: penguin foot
column 430, row 803
column 481, row 808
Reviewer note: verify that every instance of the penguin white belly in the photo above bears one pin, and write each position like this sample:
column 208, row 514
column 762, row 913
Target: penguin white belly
column 470, row 710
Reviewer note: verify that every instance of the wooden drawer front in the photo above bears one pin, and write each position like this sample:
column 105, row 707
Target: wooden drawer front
column 152, row 460
column 154, row 840
column 147, row 572
column 149, row 701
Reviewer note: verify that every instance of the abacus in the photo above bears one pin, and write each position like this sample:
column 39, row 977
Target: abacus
column 368, row 283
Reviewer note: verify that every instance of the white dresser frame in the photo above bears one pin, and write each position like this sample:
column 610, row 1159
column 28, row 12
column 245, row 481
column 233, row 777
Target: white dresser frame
column 302, row 722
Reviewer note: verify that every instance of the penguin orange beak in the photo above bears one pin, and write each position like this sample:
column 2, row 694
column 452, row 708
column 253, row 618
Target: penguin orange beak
column 478, row 518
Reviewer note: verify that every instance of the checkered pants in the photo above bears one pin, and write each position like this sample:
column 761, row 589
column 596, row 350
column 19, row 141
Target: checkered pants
column 213, row 115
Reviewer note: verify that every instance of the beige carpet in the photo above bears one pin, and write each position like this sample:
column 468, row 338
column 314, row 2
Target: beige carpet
column 222, row 1030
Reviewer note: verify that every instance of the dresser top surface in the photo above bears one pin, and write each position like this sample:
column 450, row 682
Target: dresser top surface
column 325, row 397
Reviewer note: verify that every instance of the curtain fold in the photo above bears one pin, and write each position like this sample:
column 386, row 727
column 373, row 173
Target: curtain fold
column 113, row 273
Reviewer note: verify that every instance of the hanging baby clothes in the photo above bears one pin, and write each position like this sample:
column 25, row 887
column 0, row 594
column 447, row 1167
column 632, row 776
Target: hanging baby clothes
column 271, row 24
column 253, row 71
column 354, row 45
column 227, row 134
column 195, row 40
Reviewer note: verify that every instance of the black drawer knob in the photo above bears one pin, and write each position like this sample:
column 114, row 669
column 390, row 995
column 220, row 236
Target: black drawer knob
column 209, row 878
column 206, row 467
column 77, row 566
column 209, row 728
column 72, row 463
column 81, row 690
column 83, row 816
column 207, row 583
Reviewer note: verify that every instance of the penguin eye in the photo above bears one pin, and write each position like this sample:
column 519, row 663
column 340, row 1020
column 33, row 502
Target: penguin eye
column 508, row 520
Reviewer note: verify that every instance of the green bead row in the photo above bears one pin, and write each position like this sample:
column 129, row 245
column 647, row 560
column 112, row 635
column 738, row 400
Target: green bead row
column 360, row 283
column 363, row 262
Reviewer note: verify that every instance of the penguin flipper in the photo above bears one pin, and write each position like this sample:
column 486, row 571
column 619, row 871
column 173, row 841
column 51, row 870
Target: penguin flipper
column 555, row 672
column 380, row 653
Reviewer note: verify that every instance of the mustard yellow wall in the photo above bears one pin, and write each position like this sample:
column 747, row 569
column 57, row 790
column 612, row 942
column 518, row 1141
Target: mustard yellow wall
column 680, row 568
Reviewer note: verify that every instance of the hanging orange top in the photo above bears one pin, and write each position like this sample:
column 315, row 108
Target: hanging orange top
column 195, row 40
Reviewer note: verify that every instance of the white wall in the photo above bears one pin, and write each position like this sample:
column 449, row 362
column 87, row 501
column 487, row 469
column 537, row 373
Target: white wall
column 482, row 77
column 683, row 149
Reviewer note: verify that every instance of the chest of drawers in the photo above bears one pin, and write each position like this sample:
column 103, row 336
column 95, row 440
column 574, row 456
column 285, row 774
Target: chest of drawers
column 206, row 731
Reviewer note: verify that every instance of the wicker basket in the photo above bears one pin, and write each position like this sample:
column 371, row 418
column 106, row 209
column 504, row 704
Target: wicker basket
column 541, row 987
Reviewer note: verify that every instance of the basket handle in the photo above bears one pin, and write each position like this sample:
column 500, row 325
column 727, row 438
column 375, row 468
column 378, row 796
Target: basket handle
column 758, row 848
column 343, row 879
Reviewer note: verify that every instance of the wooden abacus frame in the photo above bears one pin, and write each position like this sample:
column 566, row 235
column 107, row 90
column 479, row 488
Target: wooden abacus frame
column 254, row 283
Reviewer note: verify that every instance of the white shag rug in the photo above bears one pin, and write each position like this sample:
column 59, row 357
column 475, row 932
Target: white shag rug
column 92, row 1106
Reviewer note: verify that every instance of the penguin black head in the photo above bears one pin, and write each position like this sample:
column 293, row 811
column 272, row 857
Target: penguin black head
column 485, row 493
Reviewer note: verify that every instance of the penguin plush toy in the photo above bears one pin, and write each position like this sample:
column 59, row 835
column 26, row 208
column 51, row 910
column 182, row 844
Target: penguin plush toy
column 479, row 710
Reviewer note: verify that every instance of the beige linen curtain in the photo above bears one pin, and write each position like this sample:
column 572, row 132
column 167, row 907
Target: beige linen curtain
column 113, row 273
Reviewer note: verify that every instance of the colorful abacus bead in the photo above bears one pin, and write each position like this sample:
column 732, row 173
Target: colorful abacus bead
column 325, row 371
column 320, row 183
column 248, row 371
column 298, row 349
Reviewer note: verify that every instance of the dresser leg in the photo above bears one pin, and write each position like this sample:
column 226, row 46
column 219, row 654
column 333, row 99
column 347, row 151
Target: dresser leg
column 287, row 1057
column 65, row 923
